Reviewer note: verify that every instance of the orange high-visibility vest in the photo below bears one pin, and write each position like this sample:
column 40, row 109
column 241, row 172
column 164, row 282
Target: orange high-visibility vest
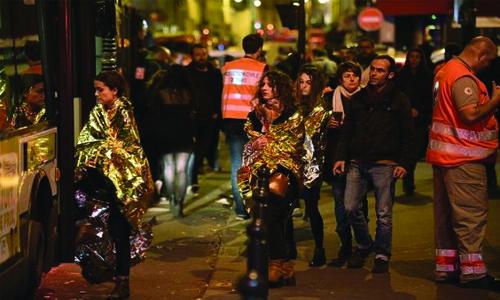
column 241, row 77
column 451, row 142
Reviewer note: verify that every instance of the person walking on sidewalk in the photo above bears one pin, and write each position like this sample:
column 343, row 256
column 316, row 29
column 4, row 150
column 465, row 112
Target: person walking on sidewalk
column 206, row 81
column 276, row 131
column 376, row 145
column 349, row 75
column 108, row 150
column 463, row 136
column 309, row 90
column 240, row 85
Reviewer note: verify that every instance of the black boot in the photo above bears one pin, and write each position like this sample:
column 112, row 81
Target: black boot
column 318, row 258
column 122, row 289
column 345, row 253
column 177, row 208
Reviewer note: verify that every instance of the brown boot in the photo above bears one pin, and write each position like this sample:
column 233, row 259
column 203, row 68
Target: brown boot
column 288, row 273
column 122, row 289
column 275, row 272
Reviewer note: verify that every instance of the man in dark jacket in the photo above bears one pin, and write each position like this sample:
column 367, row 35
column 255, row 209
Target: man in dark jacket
column 376, row 143
column 207, row 91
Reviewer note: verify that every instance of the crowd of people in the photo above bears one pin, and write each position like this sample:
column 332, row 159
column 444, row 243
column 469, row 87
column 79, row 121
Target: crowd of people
column 359, row 125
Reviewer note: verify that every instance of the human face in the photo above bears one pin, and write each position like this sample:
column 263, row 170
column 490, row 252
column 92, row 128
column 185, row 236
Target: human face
column 104, row 94
column 35, row 96
column 200, row 57
column 379, row 72
column 349, row 81
column 366, row 48
column 268, row 92
column 305, row 84
column 414, row 59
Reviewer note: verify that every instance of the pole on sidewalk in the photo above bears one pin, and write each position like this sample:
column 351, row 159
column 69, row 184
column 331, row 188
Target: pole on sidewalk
column 254, row 285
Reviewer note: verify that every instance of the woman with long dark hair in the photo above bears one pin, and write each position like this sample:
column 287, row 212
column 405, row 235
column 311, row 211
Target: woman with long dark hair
column 415, row 80
column 276, row 131
column 109, row 158
column 308, row 94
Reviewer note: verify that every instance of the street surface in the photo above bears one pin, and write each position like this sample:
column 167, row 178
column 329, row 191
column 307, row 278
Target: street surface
column 200, row 256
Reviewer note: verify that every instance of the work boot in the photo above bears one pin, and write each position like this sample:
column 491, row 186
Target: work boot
column 318, row 258
column 288, row 273
column 487, row 282
column 446, row 277
column 357, row 260
column 342, row 257
column 122, row 289
column 275, row 272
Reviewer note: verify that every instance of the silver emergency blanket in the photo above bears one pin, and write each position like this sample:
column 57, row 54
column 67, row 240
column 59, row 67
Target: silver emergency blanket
column 95, row 251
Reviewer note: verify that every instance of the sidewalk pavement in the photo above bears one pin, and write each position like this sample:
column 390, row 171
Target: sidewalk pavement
column 411, row 268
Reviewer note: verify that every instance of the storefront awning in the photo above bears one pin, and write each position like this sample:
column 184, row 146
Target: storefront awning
column 414, row 7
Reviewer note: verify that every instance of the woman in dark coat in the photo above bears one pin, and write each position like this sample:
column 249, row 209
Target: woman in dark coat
column 415, row 80
column 171, row 132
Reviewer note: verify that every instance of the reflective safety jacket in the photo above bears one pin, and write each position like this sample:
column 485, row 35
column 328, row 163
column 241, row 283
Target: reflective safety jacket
column 451, row 141
column 240, row 84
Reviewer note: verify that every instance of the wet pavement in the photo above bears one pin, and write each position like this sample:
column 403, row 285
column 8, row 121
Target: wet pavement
column 201, row 255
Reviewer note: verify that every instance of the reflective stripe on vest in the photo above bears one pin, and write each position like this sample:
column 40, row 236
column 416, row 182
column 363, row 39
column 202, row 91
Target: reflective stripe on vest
column 472, row 263
column 240, row 84
column 464, row 134
column 457, row 150
column 446, row 260
column 451, row 141
column 242, row 77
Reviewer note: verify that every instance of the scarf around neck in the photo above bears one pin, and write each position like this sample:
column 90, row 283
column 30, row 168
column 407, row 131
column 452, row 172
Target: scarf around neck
column 337, row 98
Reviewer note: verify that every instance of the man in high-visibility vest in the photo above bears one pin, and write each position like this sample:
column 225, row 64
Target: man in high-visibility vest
column 463, row 135
column 240, row 84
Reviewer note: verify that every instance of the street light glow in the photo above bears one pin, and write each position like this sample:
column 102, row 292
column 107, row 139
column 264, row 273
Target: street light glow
column 257, row 3
column 323, row 1
column 238, row 1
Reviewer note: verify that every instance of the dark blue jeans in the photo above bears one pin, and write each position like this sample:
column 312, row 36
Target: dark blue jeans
column 343, row 227
column 236, row 139
column 381, row 175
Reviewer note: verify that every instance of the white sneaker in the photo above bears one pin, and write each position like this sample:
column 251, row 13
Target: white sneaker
column 297, row 212
column 224, row 201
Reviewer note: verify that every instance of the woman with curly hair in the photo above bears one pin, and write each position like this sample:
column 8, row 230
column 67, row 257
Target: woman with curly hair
column 309, row 91
column 276, row 132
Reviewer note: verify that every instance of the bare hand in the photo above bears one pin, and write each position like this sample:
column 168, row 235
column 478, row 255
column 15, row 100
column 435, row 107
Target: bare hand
column 414, row 113
column 259, row 143
column 333, row 123
column 399, row 172
column 339, row 167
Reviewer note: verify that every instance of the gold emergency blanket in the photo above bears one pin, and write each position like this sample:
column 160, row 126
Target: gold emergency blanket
column 315, row 144
column 284, row 148
column 110, row 143
column 24, row 116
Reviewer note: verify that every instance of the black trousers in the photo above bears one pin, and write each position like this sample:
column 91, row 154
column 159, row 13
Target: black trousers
column 204, row 137
column 120, row 230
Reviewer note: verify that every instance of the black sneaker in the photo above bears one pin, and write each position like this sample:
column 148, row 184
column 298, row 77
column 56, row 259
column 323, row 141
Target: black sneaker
column 357, row 260
column 380, row 265
column 318, row 258
column 488, row 282
column 341, row 259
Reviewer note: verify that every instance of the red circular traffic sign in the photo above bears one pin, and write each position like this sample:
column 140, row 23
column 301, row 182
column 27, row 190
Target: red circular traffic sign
column 370, row 19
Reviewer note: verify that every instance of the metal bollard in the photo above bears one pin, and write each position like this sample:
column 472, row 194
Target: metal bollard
column 254, row 285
